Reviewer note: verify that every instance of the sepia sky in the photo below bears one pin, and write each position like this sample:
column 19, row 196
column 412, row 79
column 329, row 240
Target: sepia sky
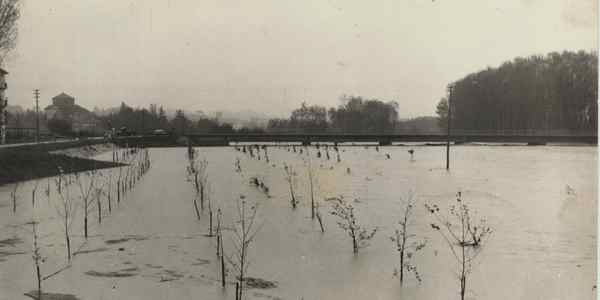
column 268, row 56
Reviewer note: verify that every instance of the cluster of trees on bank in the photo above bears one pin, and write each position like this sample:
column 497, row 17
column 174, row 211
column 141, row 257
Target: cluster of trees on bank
column 354, row 115
column 553, row 92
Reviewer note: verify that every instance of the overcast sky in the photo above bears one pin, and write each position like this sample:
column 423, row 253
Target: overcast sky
column 271, row 55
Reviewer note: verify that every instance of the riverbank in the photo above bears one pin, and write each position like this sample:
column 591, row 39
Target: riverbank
column 86, row 151
column 20, row 165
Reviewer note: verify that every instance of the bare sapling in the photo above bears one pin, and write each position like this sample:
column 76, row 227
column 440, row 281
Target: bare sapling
column 14, row 196
column 190, row 150
column 238, row 165
column 220, row 252
column 210, row 211
column 197, row 175
column 266, row 153
column 464, row 236
column 290, row 177
column 311, row 183
column 37, row 258
column 244, row 232
column 320, row 218
column 86, row 187
column 65, row 209
column 359, row 234
column 108, row 192
column 406, row 243
column 33, row 192
column 119, row 184
column 98, row 191
column 47, row 190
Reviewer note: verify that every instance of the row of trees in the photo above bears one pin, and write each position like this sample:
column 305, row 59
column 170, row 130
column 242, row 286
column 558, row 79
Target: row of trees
column 556, row 91
column 78, row 195
column 155, row 117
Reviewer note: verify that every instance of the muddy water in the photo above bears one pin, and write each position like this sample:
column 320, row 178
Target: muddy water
column 540, row 202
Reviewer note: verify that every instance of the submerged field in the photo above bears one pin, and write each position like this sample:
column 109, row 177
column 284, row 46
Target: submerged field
column 539, row 201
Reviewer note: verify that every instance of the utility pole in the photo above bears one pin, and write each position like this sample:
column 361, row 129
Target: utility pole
column 449, row 117
column 3, row 119
column 36, row 93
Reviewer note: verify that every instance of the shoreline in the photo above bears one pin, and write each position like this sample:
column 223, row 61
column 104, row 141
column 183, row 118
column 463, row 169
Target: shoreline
column 17, row 165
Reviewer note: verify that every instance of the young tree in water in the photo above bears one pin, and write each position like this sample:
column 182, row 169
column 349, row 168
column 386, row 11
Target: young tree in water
column 311, row 185
column 197, row 175
column 290, row 177
column 244, row 232
column 220, row 251
column 464, row 236
column 405, row 242
column 86, row 187
column 14, row 196
column 359, row 234
column 108, row 191
column 37, row 258
column 33, row 192
column 65, row 208
column 208, row 199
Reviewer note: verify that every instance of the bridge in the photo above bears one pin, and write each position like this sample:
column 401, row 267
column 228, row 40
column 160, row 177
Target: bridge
column 381, row 139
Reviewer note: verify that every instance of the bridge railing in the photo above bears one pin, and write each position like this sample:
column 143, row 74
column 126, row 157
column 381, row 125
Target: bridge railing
column 453, row 132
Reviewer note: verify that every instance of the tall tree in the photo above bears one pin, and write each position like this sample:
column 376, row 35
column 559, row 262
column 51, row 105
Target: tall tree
column 10, row 11
column 553, row 92
column 311, row 118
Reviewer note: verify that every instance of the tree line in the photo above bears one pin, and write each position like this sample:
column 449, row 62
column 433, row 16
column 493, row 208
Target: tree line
column 553, row 92
column 142, row 120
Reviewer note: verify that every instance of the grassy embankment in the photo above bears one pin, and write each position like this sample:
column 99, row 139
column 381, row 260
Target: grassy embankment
column 19, row 164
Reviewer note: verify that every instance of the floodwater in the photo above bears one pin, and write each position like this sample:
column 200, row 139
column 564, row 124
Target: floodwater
column 539, row 201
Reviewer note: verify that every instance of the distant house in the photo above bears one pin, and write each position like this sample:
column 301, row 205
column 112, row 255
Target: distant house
column 63, row 107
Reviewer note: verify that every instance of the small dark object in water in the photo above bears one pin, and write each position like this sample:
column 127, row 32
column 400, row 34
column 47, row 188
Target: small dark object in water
column 387, row 155
column 121, row 273
column 121, row 249
column 50, row 296
column 411, row 151
column 257, row 283
column 348, row 170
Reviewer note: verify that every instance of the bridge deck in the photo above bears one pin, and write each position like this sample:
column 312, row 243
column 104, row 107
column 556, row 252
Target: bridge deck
column 227, row 139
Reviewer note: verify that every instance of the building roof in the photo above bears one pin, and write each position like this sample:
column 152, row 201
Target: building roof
column 63, row 95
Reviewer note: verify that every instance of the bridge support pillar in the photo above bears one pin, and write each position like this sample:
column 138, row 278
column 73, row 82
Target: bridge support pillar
column 385, row 142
